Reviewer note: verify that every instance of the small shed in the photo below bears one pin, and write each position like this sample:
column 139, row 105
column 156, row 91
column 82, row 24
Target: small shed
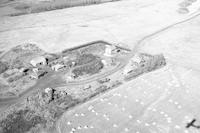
column 40, row 60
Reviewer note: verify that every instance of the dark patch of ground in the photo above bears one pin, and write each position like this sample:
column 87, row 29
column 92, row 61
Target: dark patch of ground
column 85, row 59
column 20, row 121
column 21, row 55
column 31, row 7
column 3, row 66
column 94, row 67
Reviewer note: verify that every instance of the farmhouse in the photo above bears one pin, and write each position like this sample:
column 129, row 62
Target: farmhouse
column 109, row 49
column 40, row 60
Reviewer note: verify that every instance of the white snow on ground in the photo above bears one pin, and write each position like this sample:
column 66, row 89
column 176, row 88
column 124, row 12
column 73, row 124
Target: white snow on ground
column 123, row 22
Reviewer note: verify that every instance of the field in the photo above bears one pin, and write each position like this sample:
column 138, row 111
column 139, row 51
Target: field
column 113, row 22
column 182, row 49
column 155, row 102
column 162, row 101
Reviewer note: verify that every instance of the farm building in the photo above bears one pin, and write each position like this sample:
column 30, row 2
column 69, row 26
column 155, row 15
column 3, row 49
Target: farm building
column 109, row 49
column 107, row 62
column 40, row 60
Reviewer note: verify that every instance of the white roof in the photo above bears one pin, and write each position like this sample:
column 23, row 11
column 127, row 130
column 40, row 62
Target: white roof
column 37, row 60
column 56, row 66
column 47, row 90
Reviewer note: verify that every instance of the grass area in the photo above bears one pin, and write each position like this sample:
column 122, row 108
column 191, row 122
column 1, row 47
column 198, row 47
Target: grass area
column 85, row 59
column 3, row 67
column 3, row 87
column 26, row 8
column 20, row 122
column 20, row 56
column 91, row 68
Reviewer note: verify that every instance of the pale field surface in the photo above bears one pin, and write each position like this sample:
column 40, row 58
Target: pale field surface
column 163, row 101
column 179, row 44
column 123, row 22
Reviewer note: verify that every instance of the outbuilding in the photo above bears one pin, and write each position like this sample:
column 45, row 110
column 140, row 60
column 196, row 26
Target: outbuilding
column 109, row 49
column 107, row 62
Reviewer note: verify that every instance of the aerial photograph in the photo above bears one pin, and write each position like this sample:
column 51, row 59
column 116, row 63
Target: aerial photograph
column 99, row 66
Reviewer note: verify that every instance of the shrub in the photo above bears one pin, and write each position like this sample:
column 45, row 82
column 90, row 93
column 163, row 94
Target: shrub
column 91, row 68
column 3, row 67
column 148, row 63
column 16, row 77
column 22, row 6
column 18, row 123
column 86, row 58
column 152, row 63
